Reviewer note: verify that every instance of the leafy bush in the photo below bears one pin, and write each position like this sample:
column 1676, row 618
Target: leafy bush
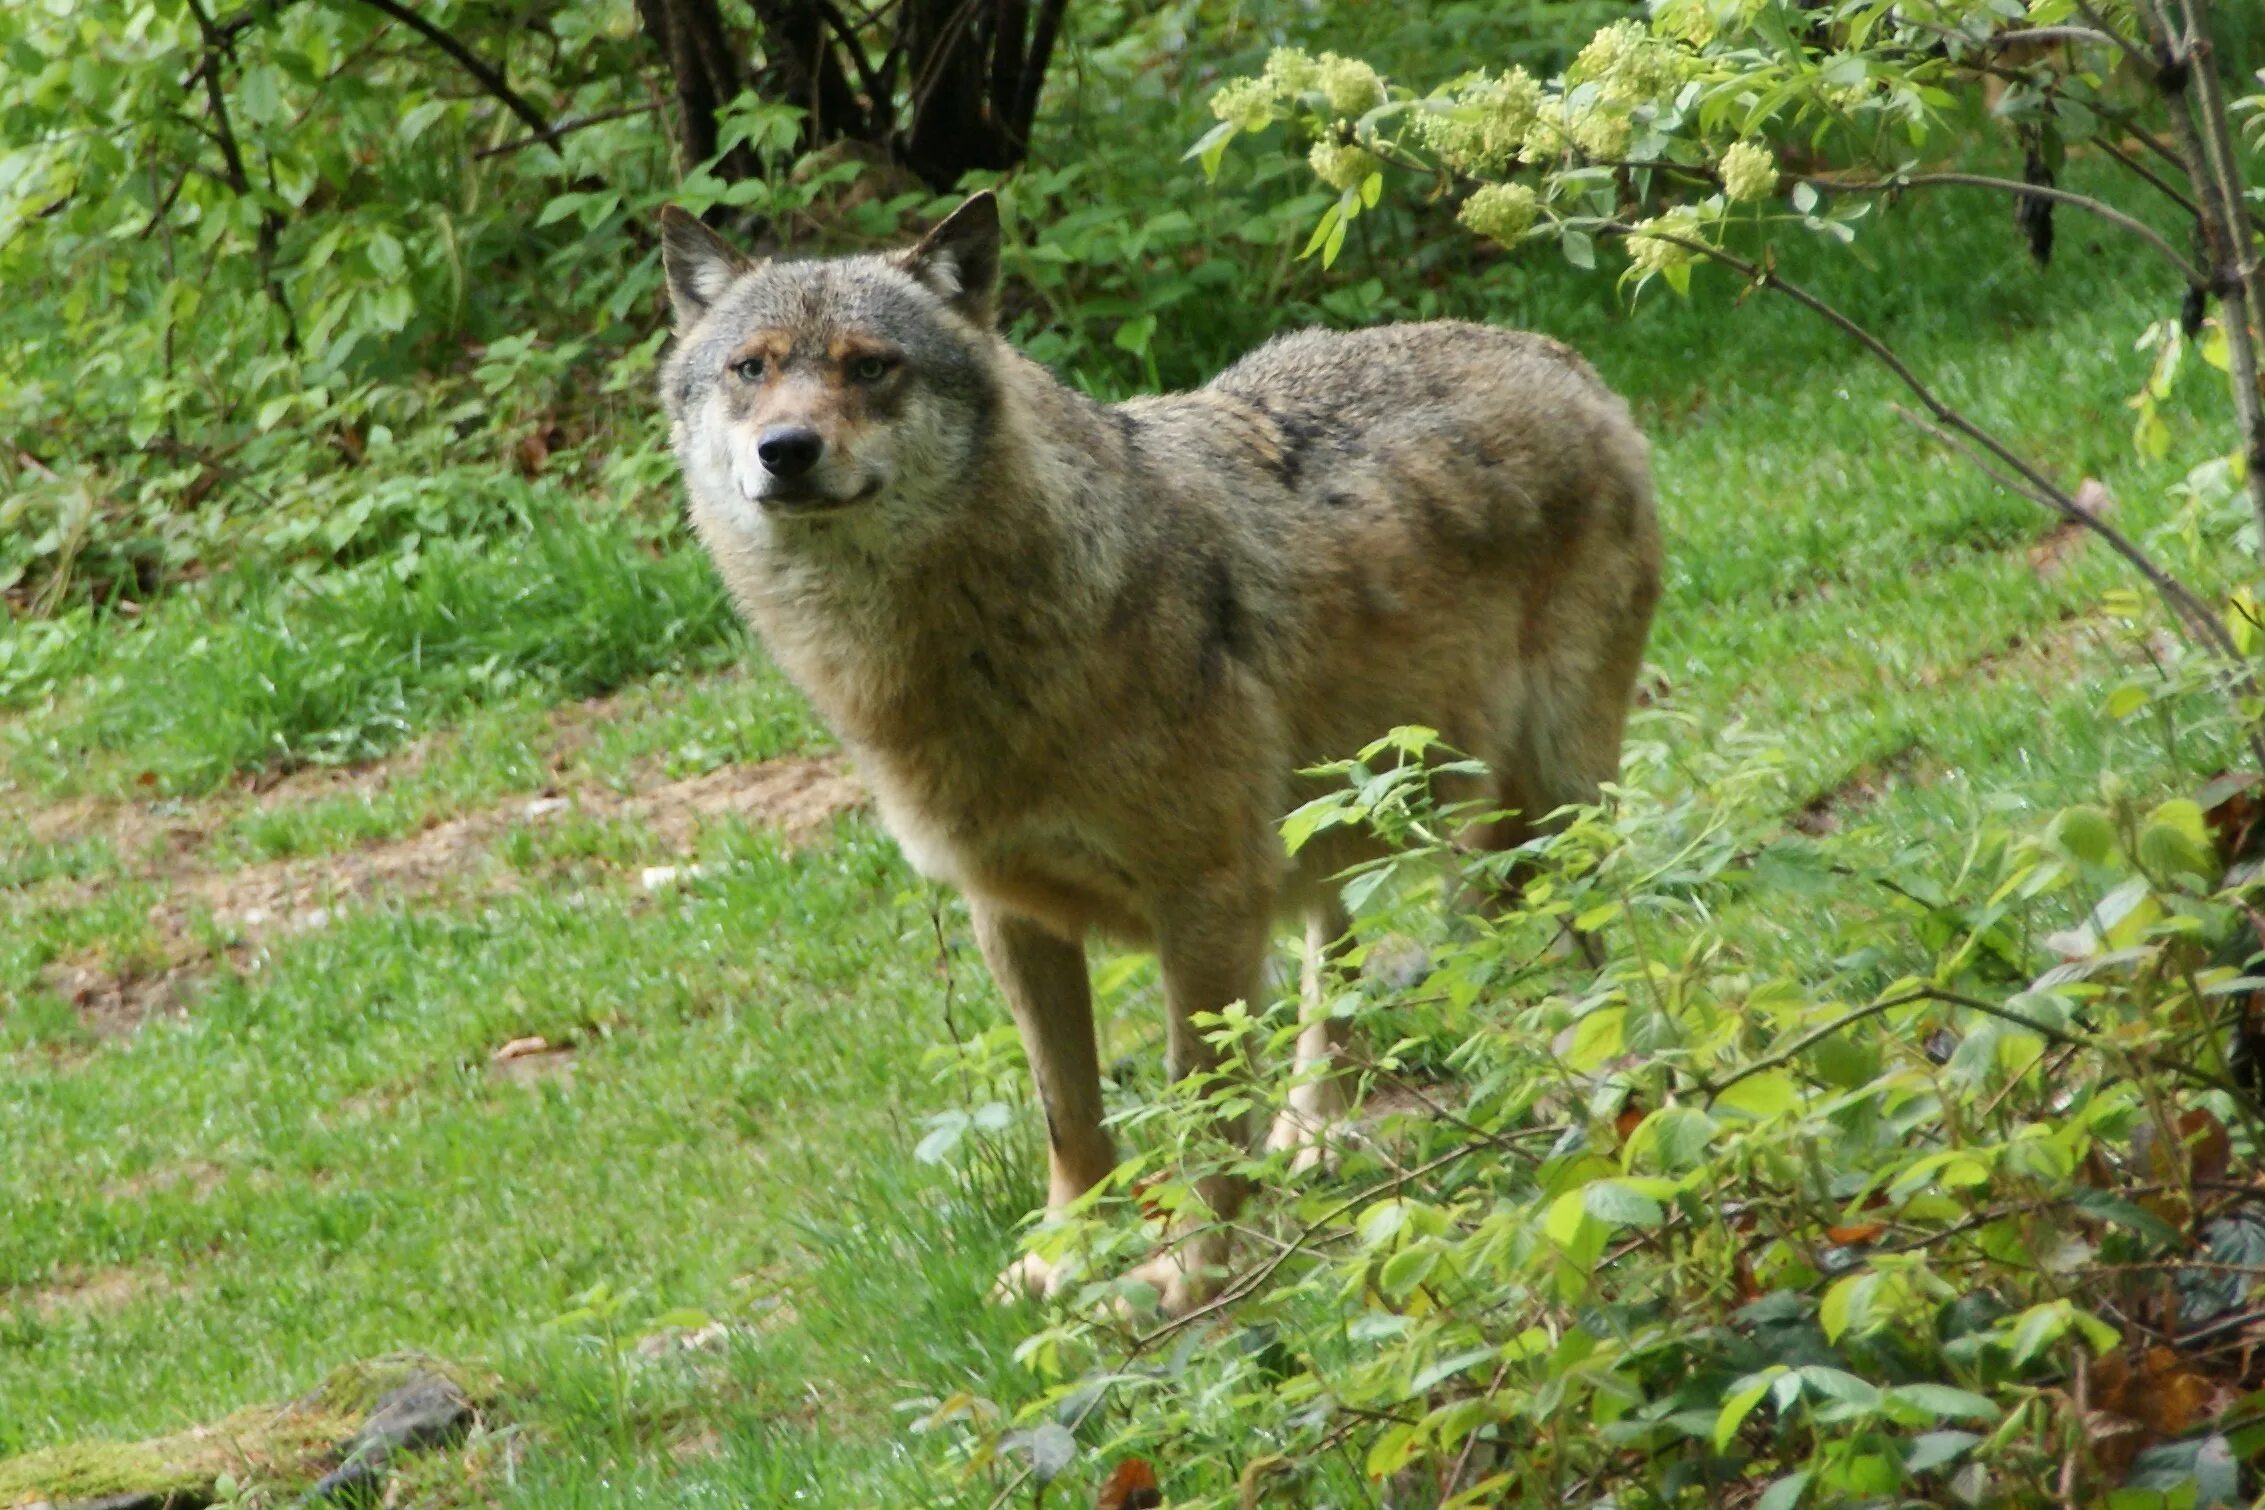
column 1826, row 1205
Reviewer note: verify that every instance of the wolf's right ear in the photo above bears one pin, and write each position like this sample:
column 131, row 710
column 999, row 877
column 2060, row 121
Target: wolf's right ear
column 699, row 265
column 959, row 260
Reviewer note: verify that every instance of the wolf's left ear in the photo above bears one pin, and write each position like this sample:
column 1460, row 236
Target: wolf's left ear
column 699, row 265
column 959, row 259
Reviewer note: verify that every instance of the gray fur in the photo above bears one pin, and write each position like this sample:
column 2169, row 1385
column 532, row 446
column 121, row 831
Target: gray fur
column 1081, row 652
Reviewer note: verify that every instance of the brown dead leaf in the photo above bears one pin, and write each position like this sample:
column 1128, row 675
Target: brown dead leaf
column 2208, row 1149
column 2202, row 1152
column 2161, row 1394
column 1131, row 1485
column 1860, row 1232
column 2233, row 812
column 1631, row 1117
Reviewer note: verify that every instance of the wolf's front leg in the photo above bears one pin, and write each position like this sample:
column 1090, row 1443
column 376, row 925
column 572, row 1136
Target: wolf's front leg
column 1213, row 952
column 1044, row 981
column 1318, row 1099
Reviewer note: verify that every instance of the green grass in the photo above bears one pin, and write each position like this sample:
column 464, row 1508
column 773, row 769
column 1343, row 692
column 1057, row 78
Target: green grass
column 317, row 1162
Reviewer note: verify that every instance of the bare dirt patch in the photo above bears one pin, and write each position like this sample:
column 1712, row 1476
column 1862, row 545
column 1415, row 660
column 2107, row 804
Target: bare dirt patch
column 2052, row 550
column 80, row 1294
column 112, row 1003
column 796, row 796
column 1829, row 810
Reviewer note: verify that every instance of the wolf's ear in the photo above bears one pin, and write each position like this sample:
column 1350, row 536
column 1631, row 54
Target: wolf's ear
column 699, row 266
column 959, row 259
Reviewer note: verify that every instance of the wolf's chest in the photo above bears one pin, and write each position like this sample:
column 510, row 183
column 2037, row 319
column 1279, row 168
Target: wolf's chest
column 1019, row 845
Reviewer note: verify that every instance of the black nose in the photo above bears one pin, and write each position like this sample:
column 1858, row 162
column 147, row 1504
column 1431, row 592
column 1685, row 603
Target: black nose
column 789, row 450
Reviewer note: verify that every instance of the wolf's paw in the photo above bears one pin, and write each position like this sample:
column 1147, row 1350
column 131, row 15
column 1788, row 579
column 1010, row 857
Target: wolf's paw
column 1313, row 1124
column 1185, row 1275
column 1027, row 1278
column 1314, row 1140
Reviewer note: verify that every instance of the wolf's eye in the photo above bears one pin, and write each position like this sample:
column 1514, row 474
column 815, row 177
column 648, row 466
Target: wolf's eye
column 748, row 369
column 869, row 369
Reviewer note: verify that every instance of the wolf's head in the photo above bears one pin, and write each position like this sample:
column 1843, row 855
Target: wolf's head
column 808, row 393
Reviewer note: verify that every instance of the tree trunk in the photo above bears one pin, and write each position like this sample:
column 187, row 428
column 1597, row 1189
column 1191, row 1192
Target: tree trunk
column 956, row 91
column 706, row 68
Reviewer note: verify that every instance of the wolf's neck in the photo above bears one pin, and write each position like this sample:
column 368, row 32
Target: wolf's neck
column 900, row 646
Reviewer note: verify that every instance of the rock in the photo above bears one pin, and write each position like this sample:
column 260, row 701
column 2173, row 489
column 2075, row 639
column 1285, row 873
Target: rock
column 427, row 1412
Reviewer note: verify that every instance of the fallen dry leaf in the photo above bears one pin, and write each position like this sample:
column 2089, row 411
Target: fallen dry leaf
column 1131, row 1485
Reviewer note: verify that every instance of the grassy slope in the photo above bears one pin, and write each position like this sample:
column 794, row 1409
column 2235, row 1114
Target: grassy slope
column 315, row 1164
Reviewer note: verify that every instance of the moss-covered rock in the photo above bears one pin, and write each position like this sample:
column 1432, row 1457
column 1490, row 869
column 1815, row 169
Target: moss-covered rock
column 289, row 1446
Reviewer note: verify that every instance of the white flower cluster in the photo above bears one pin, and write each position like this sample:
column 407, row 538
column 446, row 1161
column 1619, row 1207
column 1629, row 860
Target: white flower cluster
column 1340, row 166
column 1483, row 124
column 1501, row 213
column 1348, row 88
column 1627, row 64
column 1650, row 248
column 1749, row 172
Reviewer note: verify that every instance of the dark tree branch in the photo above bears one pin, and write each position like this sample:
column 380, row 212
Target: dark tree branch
column 490, row 79
column 876, row 93
column 1034, row 67
column 218, row 43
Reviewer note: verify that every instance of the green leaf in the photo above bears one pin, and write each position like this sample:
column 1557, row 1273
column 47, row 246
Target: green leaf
column 1838, row 1384
column 1390, row 1452
column 385, row 254
column 1408, row 1268
column 1770, row 1094
column 1785, row 1493
column 2085, row 832
column 1942, row 1402
column 560, row 207
column 1446, row 1368
column 1580, row 249
column 1135, row 334
column 1566, row 1216
column 1331, row 221
column 1935, row 1448
column 1739, row 1404
column 1211, row 148
column 1052, row 1449
column 1847, row 1304
column 1618, row 1203
column 2039, row 1328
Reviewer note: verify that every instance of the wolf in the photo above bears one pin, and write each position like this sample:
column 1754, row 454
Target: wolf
column 1081, row 652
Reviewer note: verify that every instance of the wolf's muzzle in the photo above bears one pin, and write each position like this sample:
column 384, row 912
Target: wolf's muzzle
column 789, row 450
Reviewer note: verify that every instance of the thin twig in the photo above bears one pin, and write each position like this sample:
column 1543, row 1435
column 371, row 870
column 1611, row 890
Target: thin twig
column 566, row 128
column 2194, row 276
column 2188, row 84
column 2162, row 185
column 2189, row 609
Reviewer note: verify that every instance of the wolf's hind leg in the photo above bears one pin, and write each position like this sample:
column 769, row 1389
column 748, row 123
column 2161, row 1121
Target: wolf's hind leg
column 1318, row 1098
column 1213, row 952
column 1043, row 978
